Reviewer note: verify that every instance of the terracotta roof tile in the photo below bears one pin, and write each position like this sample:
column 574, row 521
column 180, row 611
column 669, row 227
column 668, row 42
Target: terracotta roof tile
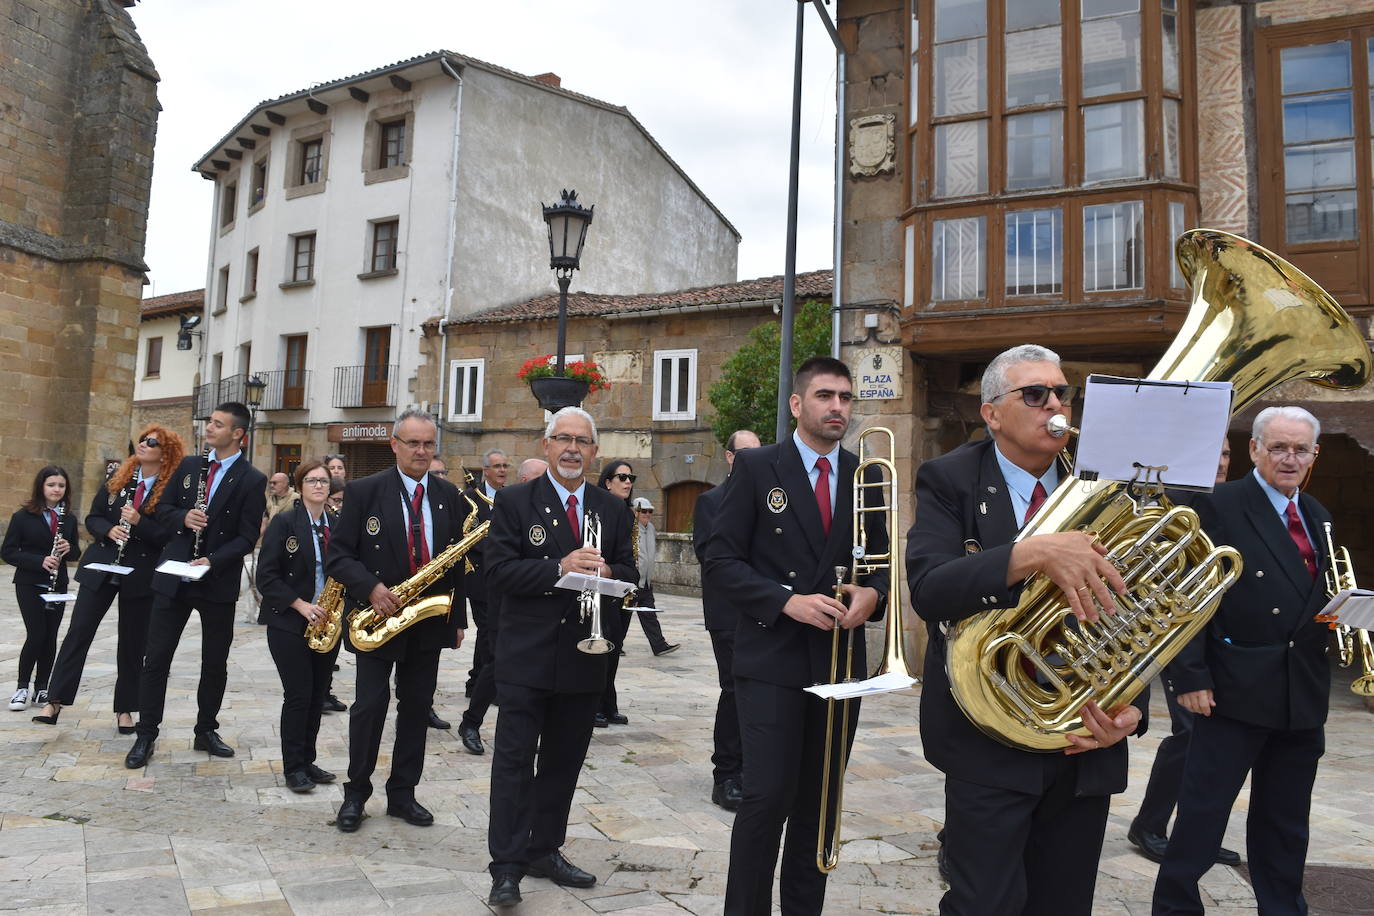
column 191, row 300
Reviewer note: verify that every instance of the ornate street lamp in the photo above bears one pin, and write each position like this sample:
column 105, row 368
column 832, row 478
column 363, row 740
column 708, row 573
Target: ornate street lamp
column 567, row 222
column 253, row 389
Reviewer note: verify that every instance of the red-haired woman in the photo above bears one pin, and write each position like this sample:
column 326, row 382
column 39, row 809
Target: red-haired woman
column 130, row 495
column 39, row 542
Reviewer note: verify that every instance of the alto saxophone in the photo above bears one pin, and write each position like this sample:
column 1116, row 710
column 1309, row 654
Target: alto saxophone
column 631, row 601
column 323, row 635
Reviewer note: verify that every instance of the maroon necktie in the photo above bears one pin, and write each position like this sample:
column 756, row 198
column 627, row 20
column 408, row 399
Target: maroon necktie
column 1037, row 500
column 1299, row 536
column 138, row 494
column 210, row 480
column 323, row 530
column 419, row 552
column 52, row 522
column 572, row 520
column 823, row 492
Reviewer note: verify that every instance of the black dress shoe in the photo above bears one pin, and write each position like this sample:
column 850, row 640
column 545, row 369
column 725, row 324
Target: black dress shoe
column 138, row 754
column 1228, row 857
column 1151, row 845
column 670, row 647
column 472, row 739
column 560, row 871
column 333, row 704
column 727, row 794
column 617, row 719
column 410, row 811
column 350, row 815
column 299, row 781
column 435, row 721
column 600, row 721
column 505, row 890
column 210, row 741
column 318, row 775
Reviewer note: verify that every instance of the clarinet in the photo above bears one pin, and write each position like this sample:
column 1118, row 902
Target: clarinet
column 58, row 510
column 201, row 502
column 129, row 491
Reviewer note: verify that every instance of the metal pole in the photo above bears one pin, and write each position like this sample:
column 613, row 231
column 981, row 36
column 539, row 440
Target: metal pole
column 789, row 276
column 564, row 278
column 837, row 278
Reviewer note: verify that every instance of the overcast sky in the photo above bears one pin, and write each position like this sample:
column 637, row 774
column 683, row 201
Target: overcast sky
column 710, row 79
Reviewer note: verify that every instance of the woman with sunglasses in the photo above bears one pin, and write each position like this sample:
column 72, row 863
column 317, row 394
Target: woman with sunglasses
column 121, row 513
column 291, row 577
column 39, row 542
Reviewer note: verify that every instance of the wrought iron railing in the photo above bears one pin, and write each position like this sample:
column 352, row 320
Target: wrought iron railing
column 212, row 394
column 286, row 389
column 371, row 385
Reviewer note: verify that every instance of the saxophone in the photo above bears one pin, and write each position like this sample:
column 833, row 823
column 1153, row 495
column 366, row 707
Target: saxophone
column 631, row 601
column 471, row 522
column 323, row 635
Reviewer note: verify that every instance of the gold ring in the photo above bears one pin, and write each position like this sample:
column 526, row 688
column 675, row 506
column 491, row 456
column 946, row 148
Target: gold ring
column 1085, row 588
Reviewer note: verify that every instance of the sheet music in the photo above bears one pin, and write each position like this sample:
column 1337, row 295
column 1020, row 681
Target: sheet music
column 110, row 568
column 56, row 597
column 848, row 690
column 577, row 582
column 1353, row 607
column 184, row 570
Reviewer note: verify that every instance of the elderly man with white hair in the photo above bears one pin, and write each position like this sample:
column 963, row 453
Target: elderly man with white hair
column 548, row 689
column 1257, row 677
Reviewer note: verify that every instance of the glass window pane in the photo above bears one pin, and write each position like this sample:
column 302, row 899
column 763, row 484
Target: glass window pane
column 1112, row 238
column 958, row 258
column 1113, row 141
column 1176, row 229
column 960, row 19
column 1322, row 217
column 1318, row 117
column 683, row 388
column 1173, row 168
column 1111, row 55
column 913, row 75
column 1035, row 244
column 1093, row 8
column 1027, row 14
column 665, row 394
column 961, row 84
column 1033, row 67
column 961, row 161
column 1170, row 53
column 1314, row 67
column 1320, row 165
column 1035, row 150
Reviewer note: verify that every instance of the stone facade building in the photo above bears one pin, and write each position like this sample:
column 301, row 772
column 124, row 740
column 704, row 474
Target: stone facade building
column 165, row 376
column 348, row 214
column 78, row 115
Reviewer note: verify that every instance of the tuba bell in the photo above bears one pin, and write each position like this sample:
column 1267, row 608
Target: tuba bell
column 1022, row 674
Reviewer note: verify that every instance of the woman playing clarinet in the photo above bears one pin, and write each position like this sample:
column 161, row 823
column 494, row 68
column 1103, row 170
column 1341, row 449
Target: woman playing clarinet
column 39, row 542
column 291, row 577
column 128, row 537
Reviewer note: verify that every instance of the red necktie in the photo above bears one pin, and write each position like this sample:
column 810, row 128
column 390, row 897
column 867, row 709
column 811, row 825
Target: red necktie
column 419, row 552
column 1036, row 501
column 138, row 494
column 52, row 522
column 1299, row 536
column 823, row 492
column 323, row 531
column 572, row 520
column 210, row 480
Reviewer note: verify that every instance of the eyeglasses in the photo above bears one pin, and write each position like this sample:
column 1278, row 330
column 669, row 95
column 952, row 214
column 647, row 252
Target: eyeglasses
column 1036, row 395
column 625, row 478
column 417, row 445
column 1302, row 454
column 316, row 481
column 150, row 441
column 565, row 439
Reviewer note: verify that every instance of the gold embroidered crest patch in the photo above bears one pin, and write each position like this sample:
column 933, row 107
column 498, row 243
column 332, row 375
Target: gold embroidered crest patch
column 777, row 500
column 537, row 535
column 186, row 482
column 292, row 545
column 374, row 525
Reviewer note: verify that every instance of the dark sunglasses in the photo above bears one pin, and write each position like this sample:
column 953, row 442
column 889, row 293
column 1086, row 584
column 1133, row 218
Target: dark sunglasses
column 150, row 441
column 1036, row 395
column 645, row 511
column 625, row 478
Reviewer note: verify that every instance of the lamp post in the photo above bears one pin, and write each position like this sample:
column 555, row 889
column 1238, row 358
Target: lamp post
column 567, row 224
column 252, row 397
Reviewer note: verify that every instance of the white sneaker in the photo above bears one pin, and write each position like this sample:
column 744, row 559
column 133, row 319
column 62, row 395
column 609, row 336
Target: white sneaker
column 20, row 701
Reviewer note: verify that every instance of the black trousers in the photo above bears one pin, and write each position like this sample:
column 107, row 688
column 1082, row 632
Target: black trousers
column 1282, row 766
column 1166, row 775
column 649, row 621
column 415, row 679
column 89, row 610
column 483, row 692
column 482, row 648
column 615, row 624
column 166, row 622
column 727, row 758
column 541, row 742
column 42, row 620
column 305, row 675
column 783, row 732
column 1013, row 852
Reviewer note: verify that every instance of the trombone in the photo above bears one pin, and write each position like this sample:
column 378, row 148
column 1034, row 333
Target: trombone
column 1350, row 641
column 869, row 497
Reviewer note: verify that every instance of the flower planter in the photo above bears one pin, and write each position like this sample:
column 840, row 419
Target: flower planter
column 556, row 392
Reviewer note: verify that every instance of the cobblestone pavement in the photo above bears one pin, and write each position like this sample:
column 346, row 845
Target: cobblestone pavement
column 81, row 834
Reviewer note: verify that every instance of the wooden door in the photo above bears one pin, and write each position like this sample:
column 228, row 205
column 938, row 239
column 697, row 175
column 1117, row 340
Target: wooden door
column 376, row 370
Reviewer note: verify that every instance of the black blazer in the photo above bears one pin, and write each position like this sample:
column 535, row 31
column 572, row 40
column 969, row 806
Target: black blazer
column 235, row 521
column 536, row 645
column 767, row 543
column 369, row 546
column 475, row 569
column 141, row 551
column 957, row 554
column 1262, row 653
column 719, row 612
column 286, row 568
column 28, row 542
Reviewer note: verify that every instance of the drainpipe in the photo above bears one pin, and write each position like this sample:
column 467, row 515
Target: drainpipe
column 451, row 237
column 837, row 285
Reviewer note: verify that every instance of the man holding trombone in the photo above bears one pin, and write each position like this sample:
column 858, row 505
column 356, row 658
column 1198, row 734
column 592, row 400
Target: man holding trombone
column 785, row 526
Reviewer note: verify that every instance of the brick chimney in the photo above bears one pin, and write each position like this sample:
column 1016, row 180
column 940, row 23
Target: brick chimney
column 548, row 79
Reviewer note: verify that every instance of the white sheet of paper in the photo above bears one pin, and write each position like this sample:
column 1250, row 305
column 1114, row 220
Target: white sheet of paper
column 55, row 597
column 1130, row 421
column 184, row 570
column 578, row 581
column 110, row 568
column 1353, row 607
column 883, row 683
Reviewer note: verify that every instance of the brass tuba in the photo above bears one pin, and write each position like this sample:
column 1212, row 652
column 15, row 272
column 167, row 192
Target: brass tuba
column 1255, row 321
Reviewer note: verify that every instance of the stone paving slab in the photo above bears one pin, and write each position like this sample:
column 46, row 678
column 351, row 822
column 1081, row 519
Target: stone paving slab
column 79, row 834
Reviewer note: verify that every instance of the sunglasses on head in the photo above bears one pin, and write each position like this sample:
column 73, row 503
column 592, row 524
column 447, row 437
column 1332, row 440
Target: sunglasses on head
column 150, row 441
column 625, row 478
column 1037, row 395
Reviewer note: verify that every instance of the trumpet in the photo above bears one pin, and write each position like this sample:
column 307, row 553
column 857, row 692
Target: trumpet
column 1350, row 641
column 202, row 503
column 59, row 510
column 589, row 600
